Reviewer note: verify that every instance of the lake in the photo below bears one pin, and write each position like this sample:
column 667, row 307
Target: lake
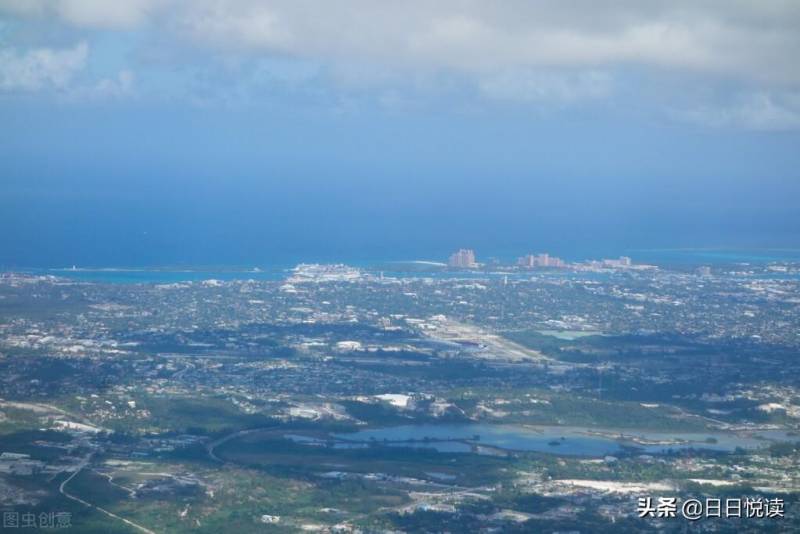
column 571, row 441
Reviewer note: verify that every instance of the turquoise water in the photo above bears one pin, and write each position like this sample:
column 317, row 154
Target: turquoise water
column 712, row 256
column 167, row 276
column 160, row 276
column 661, row 257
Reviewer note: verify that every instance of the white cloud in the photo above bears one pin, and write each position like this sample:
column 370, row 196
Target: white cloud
column 217, row 23
column 105, row 13
column 745, row 40
column 547, row 52
column 40, row 68
column 113, row 14
column 548, row 86
column 120, row 86
column 757, row 111
column 750, row 41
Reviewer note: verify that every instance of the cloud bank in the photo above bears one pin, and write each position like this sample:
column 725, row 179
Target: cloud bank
column 40, row 68
column 528, row 51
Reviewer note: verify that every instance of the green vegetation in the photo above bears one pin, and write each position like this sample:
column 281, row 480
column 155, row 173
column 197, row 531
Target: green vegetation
column 283, row 457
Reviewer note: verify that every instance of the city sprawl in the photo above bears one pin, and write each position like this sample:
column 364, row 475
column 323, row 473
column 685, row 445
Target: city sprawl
column 538, row 396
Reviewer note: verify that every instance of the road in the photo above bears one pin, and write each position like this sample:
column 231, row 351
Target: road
column 65, row 493
column 224, row 439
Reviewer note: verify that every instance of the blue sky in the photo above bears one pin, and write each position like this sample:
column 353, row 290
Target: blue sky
column 168, row 131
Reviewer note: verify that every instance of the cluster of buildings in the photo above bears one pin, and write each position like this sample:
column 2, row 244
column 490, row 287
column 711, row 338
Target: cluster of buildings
column 622, row 262
column 544, row 259
column 314, row 272
column 19, row 464
column 704, row 270
column 465, row 259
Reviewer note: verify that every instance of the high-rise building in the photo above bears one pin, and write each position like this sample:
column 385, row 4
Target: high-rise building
column 543, row 259
column 463, row 259
column 623, row 261
column 528, row 261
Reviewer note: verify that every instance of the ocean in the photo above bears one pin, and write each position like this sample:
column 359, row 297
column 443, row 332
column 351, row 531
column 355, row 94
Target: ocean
column 668, row 258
